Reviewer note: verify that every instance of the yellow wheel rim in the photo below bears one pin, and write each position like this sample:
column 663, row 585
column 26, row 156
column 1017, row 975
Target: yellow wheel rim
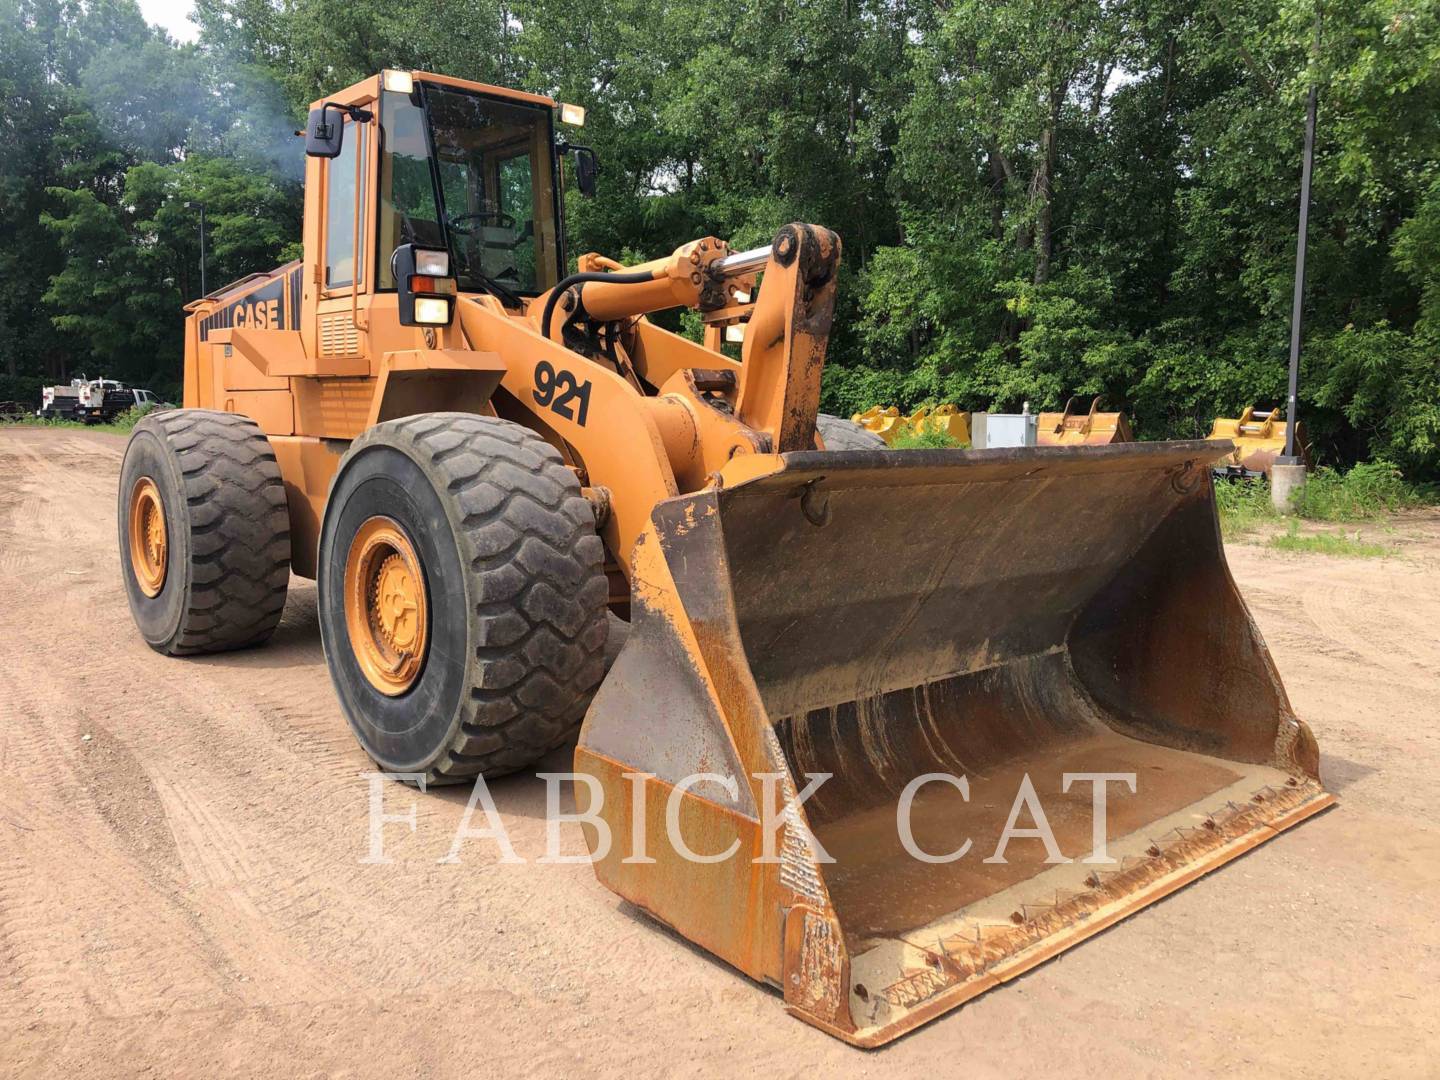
column 385, row 609
column 149, row 542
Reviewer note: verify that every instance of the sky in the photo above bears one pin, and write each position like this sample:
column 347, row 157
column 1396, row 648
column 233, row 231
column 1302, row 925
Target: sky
column 171, row 14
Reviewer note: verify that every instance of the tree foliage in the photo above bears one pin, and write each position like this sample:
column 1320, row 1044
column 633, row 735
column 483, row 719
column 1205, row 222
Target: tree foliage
column 1037, row 198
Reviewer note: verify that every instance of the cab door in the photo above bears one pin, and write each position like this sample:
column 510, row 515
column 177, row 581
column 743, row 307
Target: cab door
column 345, row 285
column 334, row 402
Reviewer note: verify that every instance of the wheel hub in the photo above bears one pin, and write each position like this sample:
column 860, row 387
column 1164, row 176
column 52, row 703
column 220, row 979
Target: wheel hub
column 386, row 613
column 149, row 541
column 395, row 605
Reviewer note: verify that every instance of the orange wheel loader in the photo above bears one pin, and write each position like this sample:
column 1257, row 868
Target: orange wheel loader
column 842, row 662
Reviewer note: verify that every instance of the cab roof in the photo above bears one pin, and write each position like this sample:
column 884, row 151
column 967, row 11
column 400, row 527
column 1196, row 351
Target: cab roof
column 369, row 89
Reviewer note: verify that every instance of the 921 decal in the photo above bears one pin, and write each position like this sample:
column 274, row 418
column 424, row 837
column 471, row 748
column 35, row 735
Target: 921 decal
column 561, row 393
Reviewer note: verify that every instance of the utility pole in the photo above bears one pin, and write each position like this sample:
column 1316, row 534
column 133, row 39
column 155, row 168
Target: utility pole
column 1288, row 471
column 201, row 207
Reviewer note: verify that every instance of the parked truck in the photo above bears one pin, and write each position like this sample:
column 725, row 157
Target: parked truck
column 104, row 399
column 60, row 402
column 93, row 401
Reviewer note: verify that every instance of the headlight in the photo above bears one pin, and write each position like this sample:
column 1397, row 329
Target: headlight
column 432, row 311
column 574, row 115
column 432, row 263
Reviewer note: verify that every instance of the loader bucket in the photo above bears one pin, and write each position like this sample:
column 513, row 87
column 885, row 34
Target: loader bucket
column 945, row 420
column 1258, row 438
column 1008, row 617
column 884, row 421
column 1074, row 428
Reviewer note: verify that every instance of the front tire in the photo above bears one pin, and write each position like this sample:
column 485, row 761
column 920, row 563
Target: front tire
column 204, row 532
column 462, row 595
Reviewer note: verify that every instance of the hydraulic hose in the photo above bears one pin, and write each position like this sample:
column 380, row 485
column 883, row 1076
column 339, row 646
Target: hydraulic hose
column 639, row 278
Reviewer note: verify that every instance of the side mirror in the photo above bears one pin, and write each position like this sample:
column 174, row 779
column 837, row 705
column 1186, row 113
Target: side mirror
column 324, row 132
column 586, row 167
column 425, row 291
column 586, row 170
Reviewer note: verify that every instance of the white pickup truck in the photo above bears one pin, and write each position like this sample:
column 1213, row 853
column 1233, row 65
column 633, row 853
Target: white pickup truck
column 91, row 400
column 105, row 399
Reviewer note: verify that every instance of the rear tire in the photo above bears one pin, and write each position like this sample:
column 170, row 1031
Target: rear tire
column 511, row 601
column 839, row 434
column 215, row 571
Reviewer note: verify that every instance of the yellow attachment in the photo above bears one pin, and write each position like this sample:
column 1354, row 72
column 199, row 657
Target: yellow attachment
column 149, row 542
column 882, row 420
column 385, row 608
column 1093, row 428
column 947, row 420
column 887, row 422
column 1259, row 438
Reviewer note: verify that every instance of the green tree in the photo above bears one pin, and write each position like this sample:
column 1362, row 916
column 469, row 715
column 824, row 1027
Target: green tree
column 1036, row 198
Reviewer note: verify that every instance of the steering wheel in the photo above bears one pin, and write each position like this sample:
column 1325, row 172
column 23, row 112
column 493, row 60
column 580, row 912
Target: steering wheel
column 481, row 219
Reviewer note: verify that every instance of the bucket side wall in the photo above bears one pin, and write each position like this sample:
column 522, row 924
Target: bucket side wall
column 1169, row 652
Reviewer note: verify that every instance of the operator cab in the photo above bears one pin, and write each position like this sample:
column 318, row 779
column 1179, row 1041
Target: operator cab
column 458, row 167
column 473, row 174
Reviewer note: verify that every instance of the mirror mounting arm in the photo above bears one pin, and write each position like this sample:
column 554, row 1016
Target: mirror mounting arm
column 354, row 112
column 587, row 167
column 323, row 138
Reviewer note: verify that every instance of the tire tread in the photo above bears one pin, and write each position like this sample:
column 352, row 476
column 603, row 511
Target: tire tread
column 527, row 540
column 239, row 529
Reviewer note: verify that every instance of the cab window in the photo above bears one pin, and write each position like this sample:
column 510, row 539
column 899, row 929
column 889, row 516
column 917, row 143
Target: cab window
column 486, row 195
column 515, row 196
column 407, row 191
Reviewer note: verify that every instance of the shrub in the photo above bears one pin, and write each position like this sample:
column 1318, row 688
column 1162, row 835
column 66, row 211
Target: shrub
column 127, row 420
column 1365, row 492
column 1243, row 505
column 926, row 440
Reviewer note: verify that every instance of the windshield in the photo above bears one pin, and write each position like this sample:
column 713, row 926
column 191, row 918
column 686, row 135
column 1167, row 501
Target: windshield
column 494, row 208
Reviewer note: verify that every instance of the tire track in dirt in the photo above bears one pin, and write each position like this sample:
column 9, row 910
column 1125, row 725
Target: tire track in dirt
column 193, row 863
column 268, row 716
column 183, row 856
column 1347, row 616
column 1355, row 641
column 127, row 950
column 258, row 738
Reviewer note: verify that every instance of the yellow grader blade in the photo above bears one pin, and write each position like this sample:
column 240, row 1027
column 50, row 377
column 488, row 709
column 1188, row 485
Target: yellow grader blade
column 1073, row 428
column 1258, row 438
column 887, row 621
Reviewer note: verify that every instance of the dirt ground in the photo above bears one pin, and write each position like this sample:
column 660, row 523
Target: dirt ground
column 182, row 891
